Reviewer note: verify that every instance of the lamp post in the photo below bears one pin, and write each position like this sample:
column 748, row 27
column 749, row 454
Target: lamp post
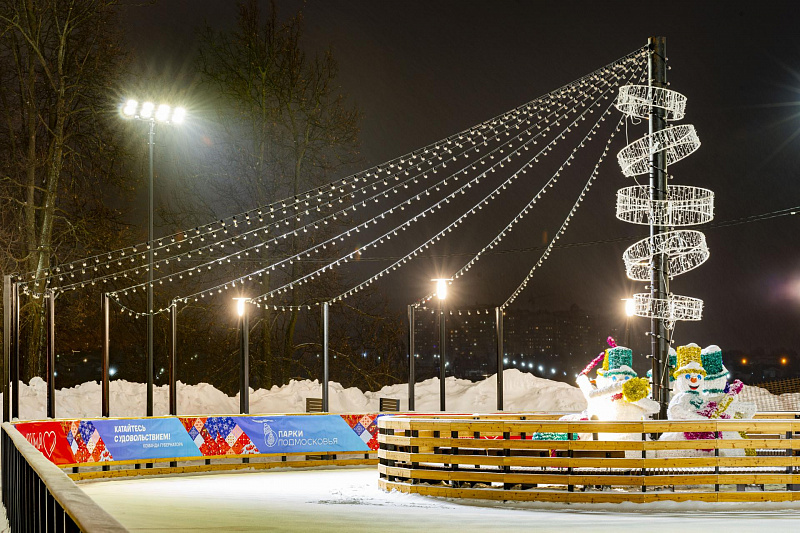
column 441, row 294
column 244, row 356
column 148, row 112
column 630, row 308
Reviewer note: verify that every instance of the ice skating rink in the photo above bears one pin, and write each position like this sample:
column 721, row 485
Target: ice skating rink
column 349, row 500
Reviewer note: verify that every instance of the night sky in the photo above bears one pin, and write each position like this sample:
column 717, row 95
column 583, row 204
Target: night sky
column 422, row 70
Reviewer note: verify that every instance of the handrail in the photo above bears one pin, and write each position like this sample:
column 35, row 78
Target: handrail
column 27, row 475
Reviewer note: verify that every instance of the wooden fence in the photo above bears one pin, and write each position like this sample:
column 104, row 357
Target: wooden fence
column 498, row 458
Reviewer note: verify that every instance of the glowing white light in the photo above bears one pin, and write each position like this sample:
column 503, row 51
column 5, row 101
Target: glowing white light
column 541, row 368
column 162, row 115
column 178, row 115
column 441, row 289
column 147, row 110
column 630, row 307
column 552, row 370
column 240, row 306
column 112, row 371
column 130, row 108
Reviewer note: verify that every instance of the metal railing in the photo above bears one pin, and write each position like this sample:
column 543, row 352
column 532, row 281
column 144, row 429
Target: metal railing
column 38, row 496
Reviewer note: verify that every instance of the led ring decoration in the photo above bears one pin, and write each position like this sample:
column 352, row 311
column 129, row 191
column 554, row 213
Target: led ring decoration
column 675, row 308
column 637, row 100
column 685, row 250
column 685, row 206
column 677, row 141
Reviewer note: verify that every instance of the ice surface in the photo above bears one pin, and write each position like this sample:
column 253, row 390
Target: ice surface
column 349, row 499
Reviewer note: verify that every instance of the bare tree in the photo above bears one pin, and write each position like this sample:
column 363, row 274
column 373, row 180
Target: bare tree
column 58, row 61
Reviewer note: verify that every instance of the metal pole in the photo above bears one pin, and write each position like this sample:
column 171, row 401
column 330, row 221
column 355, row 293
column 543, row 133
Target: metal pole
column 150, row 359
column 325, row 357
column 8, row 313
column 106, row 354
column 15, row 354
column 411, row 351
column 173, row 359
column 659, row 275
column 442, row 352
column 244, row 364
column 498, row 312
column 51, row 354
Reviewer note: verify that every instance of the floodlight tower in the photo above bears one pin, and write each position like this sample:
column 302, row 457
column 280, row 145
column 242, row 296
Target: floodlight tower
column 164, row 114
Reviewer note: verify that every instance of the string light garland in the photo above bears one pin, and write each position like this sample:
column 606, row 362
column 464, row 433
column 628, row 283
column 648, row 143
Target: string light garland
column 298, row 203
column 315, row 224
column 290, row 284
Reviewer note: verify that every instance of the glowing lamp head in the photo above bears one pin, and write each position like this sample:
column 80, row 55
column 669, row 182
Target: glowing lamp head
column 129, row 110
column 240, row 306
column 441, row 289
column 162, row 114
column 147, row 110
column 630, row 307
column 178, row 115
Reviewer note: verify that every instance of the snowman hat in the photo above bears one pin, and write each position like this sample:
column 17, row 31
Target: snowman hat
column 620, row 360
column 712, row 362
column 689, row 360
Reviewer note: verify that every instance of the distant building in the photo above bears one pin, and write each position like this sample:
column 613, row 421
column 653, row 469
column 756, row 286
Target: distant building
column 551, row 344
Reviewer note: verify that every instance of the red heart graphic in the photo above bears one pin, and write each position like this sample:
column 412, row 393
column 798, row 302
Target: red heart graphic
column 49, row 442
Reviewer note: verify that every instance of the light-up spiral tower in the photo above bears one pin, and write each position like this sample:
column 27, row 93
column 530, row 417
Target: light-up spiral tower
column 670, row 250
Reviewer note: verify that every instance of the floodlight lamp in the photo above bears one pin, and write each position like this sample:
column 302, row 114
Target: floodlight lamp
column 441, row 288
column 130, row 108
column 240, row 305
column 178, row 115
column 147, row 110
column 630, row 307
column 162, row 114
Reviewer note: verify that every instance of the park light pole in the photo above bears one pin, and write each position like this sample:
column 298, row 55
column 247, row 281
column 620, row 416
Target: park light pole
column 164, row 114
column 441, row 294
column 244, row 356
column 630, row 309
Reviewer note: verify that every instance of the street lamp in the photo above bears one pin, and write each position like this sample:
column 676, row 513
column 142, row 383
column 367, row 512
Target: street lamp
column 244, row 356
column 164, row 114
column 441, row 294
column 630, row 309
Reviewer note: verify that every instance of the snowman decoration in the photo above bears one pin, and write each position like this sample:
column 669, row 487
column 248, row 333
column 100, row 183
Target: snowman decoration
column 617, row 394
column 688, row 402
column 722, row 398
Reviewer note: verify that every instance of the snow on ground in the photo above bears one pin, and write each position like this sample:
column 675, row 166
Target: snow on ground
column 349, row 499
column 522, row 392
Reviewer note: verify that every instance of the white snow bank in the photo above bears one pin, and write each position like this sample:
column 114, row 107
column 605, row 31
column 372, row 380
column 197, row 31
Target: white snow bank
column 521, row 391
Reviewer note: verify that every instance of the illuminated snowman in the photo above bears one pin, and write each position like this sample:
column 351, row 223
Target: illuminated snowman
column 687, row 400
column 722, row 398
column 617, row 394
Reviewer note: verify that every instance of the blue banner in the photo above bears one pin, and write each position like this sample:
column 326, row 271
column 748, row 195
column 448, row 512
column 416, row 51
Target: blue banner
column 146, row 438
column 287, row 434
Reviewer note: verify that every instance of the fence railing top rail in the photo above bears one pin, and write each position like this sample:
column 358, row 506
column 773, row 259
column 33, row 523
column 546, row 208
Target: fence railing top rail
column 84, row 511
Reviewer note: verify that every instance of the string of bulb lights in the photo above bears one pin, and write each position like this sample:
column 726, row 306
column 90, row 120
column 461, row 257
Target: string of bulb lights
column 377, row 185
column 131, row 253
column 135, row 270
column 249, row 276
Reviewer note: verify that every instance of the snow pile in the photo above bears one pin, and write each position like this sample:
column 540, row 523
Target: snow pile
column 521, row 392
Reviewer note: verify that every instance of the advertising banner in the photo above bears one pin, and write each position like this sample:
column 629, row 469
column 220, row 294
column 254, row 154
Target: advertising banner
column 75, row 442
